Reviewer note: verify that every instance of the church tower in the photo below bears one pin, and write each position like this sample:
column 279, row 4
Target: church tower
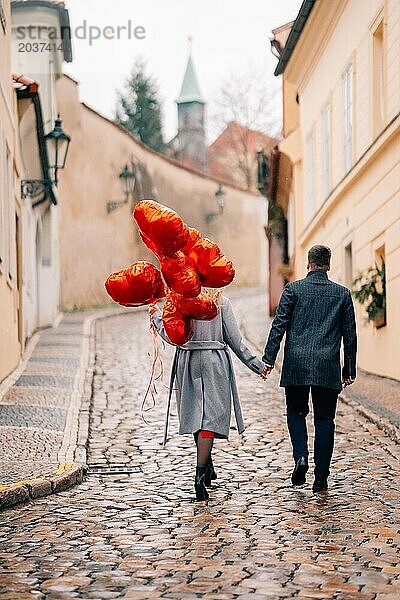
column 191, row 109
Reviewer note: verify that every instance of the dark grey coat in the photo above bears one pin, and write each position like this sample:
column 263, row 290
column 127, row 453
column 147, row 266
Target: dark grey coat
column 205, row 381
column 316, row 315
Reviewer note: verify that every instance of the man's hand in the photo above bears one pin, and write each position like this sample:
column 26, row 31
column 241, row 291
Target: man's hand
column 153, row 309
column 266, row 371
column 347, row 382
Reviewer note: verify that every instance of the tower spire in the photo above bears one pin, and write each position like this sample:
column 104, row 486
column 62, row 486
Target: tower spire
column 191, row 110
column 190, row 90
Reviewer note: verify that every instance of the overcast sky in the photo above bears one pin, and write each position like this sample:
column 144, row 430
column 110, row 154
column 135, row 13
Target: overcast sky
column 228, row 36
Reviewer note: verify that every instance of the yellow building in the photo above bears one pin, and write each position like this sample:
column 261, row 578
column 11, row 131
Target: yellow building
column 11, row 334
column 341, row 104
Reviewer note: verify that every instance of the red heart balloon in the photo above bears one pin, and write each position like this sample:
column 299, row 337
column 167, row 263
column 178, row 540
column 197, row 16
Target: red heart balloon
column 162, row 226
column 214, row 268
column 178, row 328
column 139, row 284
column 194, row 236
column 201, row 308
column 180, row 274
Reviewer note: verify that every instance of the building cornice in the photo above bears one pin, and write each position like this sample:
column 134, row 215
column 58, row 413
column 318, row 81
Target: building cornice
column 294, row 35
column 371, row 153
column 315, row 37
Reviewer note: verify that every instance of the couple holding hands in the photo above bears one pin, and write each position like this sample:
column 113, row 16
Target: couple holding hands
column 316, row 314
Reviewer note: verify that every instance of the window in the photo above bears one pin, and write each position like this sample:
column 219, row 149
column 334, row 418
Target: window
column 291, row 227
column 347, row 87
column 380, row 262
column 326, row 150
column 309, row 208
column 378, row 79
column 348, row 265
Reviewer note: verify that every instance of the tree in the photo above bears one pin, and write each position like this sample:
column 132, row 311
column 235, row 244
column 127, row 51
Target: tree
column 245, row 107
column 139, row 109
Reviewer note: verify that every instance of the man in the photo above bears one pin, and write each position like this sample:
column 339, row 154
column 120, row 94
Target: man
column 316, row 314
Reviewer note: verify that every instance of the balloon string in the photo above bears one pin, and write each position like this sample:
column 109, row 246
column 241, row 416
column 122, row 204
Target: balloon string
column 151, row 390
column 157, row 362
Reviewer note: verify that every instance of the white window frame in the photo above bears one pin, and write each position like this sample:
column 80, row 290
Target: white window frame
column 378, row 76
column 309, row 179
column 326, row 150
column 348, row 121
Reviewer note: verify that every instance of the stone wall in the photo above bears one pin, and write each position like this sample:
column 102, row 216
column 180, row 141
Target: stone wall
column 94, row 243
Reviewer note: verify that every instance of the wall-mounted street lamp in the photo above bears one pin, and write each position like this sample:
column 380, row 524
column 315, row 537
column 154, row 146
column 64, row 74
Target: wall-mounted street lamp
column 127, row 179
column 219, row 196
column 57, row 144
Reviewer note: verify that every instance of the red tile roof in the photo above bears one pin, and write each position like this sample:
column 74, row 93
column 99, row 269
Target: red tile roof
column 234, row 144
column 234, row 135
column 21, row 82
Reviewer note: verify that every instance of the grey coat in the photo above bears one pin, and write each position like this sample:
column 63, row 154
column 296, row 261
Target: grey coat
column 205, row 380
column 316, row 315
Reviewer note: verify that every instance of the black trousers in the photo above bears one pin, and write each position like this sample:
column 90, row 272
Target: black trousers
column 324, row 404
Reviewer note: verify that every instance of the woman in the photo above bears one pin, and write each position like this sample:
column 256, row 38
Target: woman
column 205, row 383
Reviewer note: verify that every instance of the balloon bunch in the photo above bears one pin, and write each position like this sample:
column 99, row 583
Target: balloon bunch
column 188, row 261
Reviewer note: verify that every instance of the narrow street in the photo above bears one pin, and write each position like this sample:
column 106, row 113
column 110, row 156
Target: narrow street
column 132, row 529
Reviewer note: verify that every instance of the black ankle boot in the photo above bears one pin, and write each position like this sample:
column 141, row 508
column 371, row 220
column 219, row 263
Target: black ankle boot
column 210, row 473
column 200, row 488
column 300, row 470
column 320, row 484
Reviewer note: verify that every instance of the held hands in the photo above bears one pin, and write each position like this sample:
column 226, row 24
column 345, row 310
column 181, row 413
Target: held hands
column 346, row 382
column 266, row 371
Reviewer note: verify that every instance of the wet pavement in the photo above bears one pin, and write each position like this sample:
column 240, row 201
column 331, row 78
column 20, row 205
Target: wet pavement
column 133, row 530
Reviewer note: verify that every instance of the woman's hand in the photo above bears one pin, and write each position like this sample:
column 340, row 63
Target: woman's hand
column 153, row 309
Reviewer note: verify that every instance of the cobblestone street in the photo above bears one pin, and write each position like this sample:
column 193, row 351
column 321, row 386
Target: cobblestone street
column 132, row 529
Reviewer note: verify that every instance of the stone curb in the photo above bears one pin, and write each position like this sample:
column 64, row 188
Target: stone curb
column 23, row 491
column 389, row 428
column 76, row 432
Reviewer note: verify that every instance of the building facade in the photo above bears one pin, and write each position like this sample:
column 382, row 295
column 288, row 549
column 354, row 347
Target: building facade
column 341, row 105
column 29, row 227
column 11, row 322
column 45, row 23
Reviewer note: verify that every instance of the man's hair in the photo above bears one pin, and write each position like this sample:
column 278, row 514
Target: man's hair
column 319, row 256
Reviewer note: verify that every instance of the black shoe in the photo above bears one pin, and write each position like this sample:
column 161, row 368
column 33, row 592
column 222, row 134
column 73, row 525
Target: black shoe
column 300, row 470
column 201, row 492
column 210, row 474
column 320, row 484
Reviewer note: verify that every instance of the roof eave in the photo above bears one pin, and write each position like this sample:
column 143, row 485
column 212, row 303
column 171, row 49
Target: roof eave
column 294, row 35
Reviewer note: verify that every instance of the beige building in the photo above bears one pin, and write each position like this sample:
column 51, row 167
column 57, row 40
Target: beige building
column 29, row 229
column 99, row 237
column 11, row 326
column 46, row 24
column 341, row 102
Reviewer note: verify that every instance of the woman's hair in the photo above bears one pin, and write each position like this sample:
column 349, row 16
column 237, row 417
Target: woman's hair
column 215, row 295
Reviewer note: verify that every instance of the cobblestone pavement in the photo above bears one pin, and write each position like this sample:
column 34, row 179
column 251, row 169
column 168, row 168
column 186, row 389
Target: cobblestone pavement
column 34, row 410
column 133, row 531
